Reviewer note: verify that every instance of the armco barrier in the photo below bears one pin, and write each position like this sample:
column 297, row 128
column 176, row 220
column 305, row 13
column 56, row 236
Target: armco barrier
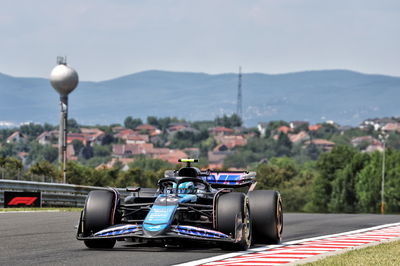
column 53, row 194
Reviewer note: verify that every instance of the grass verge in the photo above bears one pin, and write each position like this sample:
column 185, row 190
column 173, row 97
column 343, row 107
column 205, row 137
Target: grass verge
column 40, row 209
column 382, row 254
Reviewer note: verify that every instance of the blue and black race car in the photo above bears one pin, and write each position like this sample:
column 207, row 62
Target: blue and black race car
column 188, row 204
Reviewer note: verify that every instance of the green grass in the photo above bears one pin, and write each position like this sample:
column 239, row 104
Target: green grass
column 41, row 209
column 382, row 254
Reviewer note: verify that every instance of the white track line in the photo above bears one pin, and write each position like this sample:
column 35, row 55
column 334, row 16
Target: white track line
column 3, row 212
column 265, row 248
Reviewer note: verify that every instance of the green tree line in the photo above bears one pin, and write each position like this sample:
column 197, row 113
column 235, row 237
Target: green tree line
column 344, row 180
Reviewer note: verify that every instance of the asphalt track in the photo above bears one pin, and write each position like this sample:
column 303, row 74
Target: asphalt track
column 49, row 239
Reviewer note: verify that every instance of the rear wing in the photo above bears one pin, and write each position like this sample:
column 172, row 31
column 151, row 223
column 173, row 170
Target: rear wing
column 230, row 179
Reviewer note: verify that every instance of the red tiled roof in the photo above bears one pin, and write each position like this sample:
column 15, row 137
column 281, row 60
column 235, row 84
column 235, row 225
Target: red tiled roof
column 124, row 133
column 302, row 135
column 322, row 142
column 146, row 127
column 176, row 127
column 132, row 149
column 391, row 127
column 284, row 129
column 314, row 127
column 172, row 157
column 15, row 134
column 136, row 138
column 231, row 141
column 222, row 130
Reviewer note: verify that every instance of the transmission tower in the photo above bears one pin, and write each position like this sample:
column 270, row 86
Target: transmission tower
column 239, row 109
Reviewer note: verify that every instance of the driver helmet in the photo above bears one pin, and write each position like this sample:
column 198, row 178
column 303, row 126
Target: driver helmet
column 186, row 188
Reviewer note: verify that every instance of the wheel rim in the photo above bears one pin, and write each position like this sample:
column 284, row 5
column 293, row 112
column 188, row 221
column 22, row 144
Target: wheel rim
column 247, row 226
column 279, row 218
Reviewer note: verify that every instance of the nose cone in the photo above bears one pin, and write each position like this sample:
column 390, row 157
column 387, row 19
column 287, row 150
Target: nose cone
column 64, row 79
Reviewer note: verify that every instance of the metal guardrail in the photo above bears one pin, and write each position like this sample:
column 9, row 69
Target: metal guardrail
column 53, row 194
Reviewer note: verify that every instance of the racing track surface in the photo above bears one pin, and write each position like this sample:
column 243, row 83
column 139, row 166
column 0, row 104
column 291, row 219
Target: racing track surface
column 48, row 238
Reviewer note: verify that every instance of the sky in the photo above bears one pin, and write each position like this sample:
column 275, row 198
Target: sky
column 107, row 39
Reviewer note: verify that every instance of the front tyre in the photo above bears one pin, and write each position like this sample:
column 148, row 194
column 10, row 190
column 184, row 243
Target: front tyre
column 98, row 214
column 266, row 216
column 233, row 218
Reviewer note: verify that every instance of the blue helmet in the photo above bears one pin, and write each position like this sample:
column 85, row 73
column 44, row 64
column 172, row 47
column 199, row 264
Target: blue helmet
column 185, row 188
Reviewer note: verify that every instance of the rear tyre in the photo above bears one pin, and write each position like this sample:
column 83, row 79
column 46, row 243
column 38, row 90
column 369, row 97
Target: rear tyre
column 233, row 218
column 98, row 214
column 266, row 216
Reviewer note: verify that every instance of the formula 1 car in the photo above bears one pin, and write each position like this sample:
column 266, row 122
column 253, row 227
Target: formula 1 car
column 189, row 204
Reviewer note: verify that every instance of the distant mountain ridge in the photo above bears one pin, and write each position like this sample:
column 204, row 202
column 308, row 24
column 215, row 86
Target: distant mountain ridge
column 346, row 97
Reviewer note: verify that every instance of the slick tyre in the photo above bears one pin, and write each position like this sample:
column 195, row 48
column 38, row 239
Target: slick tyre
column 266, row 216
column 98, row 214
column 233, row 218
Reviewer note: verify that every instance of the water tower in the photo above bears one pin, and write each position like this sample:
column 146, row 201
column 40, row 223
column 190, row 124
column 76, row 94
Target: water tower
column 64, row 80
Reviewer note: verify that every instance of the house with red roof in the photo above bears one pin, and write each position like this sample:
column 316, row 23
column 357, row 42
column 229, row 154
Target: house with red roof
column 218, row 154
column 137, row 139
column 16, row 137
column 299, row 137
column 231, row 141
column 172, row 156
column 284, row 129
column 127, row 150
column 221, row 131
column 314, row 127
column 148, row 129
column 48, row 137
column 365, row 139
column 391, row 127
column 124, row 133
column 323, row 144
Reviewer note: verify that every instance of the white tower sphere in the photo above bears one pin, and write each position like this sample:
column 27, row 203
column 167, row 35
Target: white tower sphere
column 64, row 79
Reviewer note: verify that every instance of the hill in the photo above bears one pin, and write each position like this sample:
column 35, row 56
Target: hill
column 346, row 97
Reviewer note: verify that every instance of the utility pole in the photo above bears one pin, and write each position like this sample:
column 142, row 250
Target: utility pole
column 383, row 137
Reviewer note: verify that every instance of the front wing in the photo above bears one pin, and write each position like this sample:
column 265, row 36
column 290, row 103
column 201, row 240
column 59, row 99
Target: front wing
column 123, row 231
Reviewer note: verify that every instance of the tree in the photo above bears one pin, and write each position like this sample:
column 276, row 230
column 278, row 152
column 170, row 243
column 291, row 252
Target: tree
column 344, row 197
column 79, row 174
column 278, row 171
column 7, row 150
column 38, row 152
column 31, row 130
column 312, row 151
column 284, row 145
column 273, row 125
column 392, row 182
column 132, row 123
column 102, row 151
column 73, row 126
column 44, row 168
column 229, row 121
column 149, row 164
column 10, row 163
column 132, row 177
column 290, row 179
column 368, row 185
column 326, row 131
column 327, row 165
column 78, row 146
